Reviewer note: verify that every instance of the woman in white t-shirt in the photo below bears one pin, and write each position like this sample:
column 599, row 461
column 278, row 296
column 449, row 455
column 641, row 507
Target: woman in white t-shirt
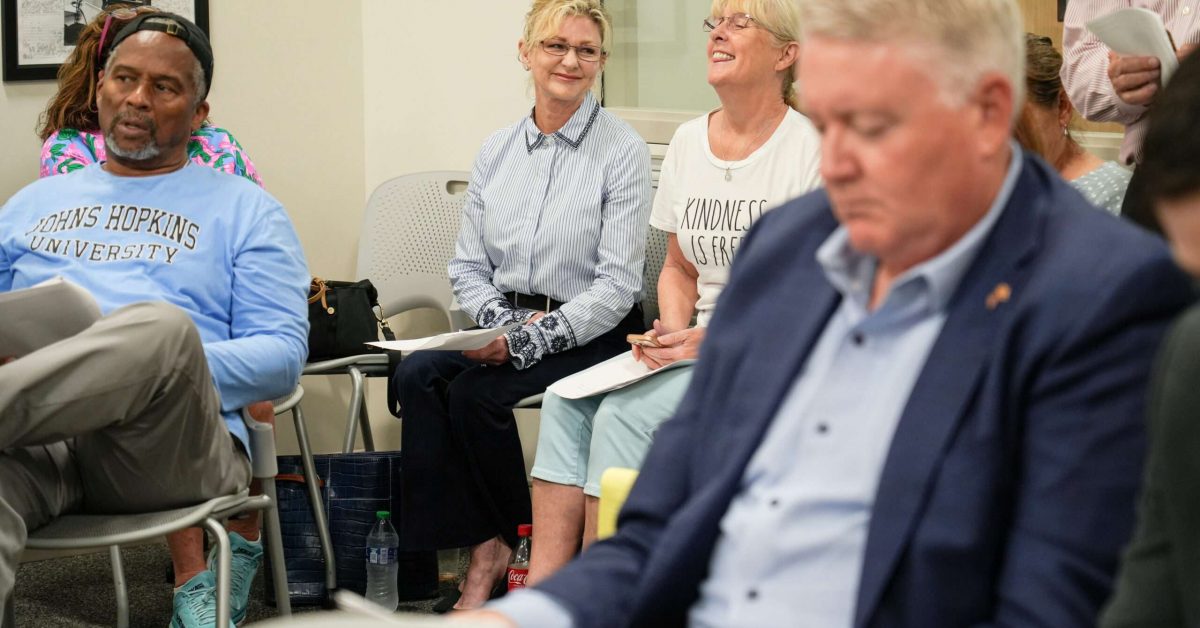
column 721, row 172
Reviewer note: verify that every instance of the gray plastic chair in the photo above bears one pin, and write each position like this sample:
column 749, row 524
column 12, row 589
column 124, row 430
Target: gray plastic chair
column 407, row 241
column 85, row 531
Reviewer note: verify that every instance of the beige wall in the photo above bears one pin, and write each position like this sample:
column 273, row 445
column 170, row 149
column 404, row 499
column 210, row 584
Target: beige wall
column 20, row 104
column 438, row 81
column 288, row 83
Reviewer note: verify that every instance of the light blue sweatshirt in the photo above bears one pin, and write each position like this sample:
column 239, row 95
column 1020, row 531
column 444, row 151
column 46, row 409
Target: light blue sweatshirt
column 217, row 246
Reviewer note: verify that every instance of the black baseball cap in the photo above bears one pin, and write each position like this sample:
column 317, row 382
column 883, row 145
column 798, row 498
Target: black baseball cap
column 176, row 26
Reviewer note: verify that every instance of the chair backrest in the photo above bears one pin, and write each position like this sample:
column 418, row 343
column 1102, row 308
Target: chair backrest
column 656, row 254
column 408, row 235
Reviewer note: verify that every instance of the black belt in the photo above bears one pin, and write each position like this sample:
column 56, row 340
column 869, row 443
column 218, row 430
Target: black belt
column 537, row 302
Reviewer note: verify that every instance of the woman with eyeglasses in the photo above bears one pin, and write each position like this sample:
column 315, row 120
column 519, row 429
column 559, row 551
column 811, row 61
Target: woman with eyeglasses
column 1044, row 127
column 70, row 126
column 552, row 241
column 721, row 172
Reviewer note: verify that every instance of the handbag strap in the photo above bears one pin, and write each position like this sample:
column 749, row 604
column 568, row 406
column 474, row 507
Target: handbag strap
column 393, row 400
column 318, row 286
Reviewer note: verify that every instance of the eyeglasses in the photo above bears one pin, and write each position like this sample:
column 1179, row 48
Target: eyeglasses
column 123, row 14
column 585, row 52
column 737, row 22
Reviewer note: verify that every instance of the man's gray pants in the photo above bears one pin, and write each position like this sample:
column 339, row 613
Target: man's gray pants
column 122, row 417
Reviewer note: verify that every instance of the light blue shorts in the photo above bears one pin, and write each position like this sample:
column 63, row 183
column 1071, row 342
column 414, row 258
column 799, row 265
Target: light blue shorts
column 580, row 438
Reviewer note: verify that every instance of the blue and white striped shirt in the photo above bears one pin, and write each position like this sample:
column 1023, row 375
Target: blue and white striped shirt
column 562, row 215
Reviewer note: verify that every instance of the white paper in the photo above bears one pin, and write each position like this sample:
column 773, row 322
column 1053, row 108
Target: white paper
column 43, row 314
column 607, row 376
column 453, row 341
column 1139, row 32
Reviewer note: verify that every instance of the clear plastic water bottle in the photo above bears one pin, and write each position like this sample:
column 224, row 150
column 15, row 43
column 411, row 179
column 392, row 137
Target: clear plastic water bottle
column 381, row 562
column 518, row 569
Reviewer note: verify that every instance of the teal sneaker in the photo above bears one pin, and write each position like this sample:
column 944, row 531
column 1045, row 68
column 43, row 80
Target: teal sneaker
column 247, row 556
column 196, row 602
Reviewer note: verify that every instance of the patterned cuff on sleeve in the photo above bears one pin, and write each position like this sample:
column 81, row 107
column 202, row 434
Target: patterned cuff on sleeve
column 528, row 344
column 499, row 312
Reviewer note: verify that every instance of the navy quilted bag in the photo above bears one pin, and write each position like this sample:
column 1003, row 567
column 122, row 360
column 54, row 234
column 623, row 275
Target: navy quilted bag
column 354, row 486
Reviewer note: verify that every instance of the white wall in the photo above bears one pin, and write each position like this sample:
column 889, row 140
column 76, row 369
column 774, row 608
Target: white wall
column 20, row 104
column 437, row 82
column 288, row 83
column 440, row 77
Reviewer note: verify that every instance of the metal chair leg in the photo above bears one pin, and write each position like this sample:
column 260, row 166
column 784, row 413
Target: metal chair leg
column 356, row 400
column 9, row 619
column 118, row 569
column 364, row 422
column 283, row 603
column 314, row 498
column 223, row 569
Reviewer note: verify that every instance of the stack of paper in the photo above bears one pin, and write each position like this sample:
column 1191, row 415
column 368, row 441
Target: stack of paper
column 608, row 376
column 1137, row 32
column 454, row 341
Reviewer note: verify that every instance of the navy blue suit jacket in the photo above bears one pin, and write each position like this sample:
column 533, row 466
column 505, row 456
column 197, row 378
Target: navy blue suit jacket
column 1010, row 483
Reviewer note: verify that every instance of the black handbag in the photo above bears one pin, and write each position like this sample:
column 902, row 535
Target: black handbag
column 342, row 315
column 353, row 487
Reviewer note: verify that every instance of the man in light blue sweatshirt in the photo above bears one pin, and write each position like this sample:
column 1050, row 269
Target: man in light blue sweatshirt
column 202, row 284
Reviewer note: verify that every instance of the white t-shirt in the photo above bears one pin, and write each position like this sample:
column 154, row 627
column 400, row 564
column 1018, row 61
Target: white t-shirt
column 710, row 215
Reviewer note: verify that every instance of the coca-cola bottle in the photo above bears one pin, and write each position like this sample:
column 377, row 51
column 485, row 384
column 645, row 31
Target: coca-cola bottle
column 518, row 569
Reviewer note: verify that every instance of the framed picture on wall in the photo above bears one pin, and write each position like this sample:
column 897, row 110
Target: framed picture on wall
column 39, row 34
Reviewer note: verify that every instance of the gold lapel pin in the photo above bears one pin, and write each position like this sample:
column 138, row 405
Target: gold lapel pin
column 1000, row 294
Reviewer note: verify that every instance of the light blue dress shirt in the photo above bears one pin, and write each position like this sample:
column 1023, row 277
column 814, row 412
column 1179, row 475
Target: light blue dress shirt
column 792, row 542
column 562, row 215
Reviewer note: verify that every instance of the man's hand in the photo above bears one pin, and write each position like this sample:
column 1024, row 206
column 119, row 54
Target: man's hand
column 1135, row 79
column 678, row 345
column 494, row 354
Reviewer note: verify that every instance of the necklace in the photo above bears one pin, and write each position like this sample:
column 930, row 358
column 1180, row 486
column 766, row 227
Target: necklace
column 770, row 124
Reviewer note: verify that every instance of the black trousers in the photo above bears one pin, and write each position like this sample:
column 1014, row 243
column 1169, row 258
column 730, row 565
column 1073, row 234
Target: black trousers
column 464, row 474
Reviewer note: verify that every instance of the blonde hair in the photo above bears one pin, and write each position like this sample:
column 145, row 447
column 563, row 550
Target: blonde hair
column 968, row 38
column 780, row 18
column 546, row 16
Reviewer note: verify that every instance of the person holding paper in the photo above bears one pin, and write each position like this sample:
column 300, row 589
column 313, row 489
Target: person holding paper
column 73, row 138
column 1044, row 127
column 202, row 284
column 1108, row 87
column 722, row 171
column 552, row 237
column 1160, row 571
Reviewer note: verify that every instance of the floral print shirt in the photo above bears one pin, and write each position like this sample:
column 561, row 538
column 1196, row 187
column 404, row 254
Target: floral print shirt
column 69, row 149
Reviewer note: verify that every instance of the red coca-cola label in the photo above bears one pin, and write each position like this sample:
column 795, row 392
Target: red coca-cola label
column 516, row 578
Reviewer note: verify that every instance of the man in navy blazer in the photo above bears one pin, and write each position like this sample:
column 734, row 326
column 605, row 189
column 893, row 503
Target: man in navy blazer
column 920, row 400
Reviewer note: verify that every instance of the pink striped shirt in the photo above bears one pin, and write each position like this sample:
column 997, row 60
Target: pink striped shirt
column 1085, row 63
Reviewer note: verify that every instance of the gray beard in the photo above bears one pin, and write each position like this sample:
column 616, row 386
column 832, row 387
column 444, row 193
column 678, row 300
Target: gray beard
column 149, row 151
